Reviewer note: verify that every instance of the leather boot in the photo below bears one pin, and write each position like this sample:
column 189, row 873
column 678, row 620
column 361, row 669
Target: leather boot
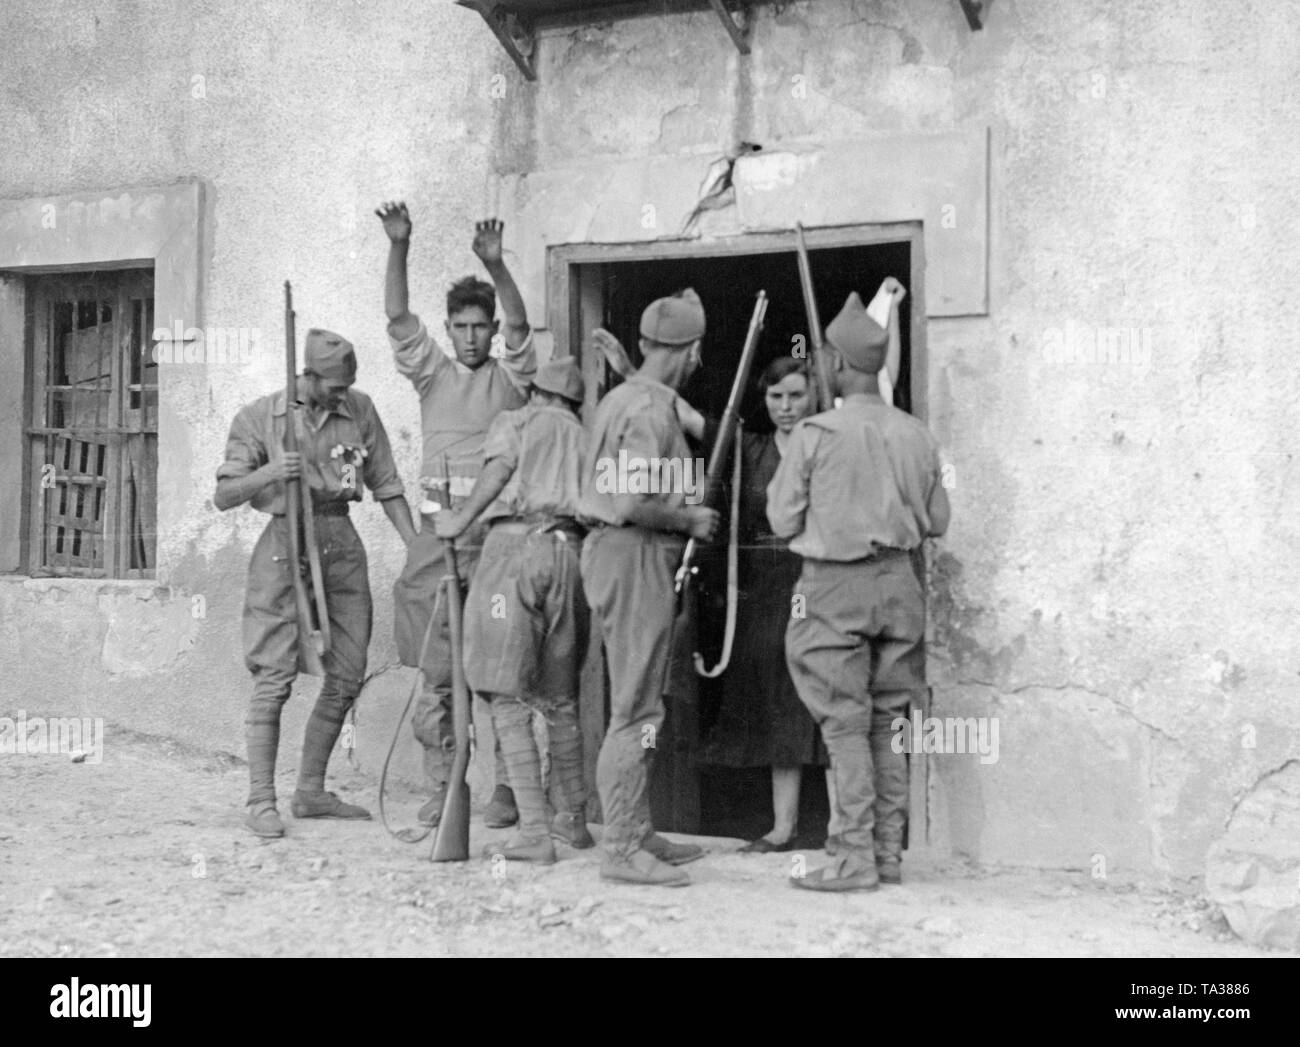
column 264, row 820
column 672, row 853
column 431, row 812
column 571, row 828
column 523, row 849
column 642, row 867
column 501, row 812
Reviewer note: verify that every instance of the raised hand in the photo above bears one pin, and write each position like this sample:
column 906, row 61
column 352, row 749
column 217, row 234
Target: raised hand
column 397, row 223
column 487, row 241
column 612, row 349
column 896, row 290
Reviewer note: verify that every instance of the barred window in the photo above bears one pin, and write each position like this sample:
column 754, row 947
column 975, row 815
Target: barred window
column 92, row 433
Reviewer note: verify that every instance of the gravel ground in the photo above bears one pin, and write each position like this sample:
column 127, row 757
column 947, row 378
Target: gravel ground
column 144, row 855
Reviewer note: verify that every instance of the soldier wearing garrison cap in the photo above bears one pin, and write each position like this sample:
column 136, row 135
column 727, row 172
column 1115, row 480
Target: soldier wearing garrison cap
column 857, row 490
column 628, row 564
column 526, row 618
column 343, row 449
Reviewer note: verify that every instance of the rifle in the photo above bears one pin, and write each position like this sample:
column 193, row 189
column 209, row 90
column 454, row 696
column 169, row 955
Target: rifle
column 313, row 626
column 825, row 396
column 726, row 431
column 452, row 842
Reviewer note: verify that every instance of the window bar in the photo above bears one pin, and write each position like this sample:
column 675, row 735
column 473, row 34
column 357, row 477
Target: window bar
column 51, row 442
column 69, row 422
column 117, row 453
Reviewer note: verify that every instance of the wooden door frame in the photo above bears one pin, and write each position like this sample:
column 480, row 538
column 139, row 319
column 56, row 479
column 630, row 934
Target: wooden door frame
column 573, row 297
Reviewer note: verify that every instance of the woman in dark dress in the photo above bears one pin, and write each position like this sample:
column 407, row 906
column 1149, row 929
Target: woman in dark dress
column 761, row 721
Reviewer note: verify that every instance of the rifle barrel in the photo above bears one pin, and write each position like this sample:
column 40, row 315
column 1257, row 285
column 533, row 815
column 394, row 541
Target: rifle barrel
column 817, row 343
column 727, row 429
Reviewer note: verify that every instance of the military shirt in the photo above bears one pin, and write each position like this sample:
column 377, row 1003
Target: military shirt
column 855, row 480
column 637, row 447
column 543, row 446
column 458, row 403
column 342, row 453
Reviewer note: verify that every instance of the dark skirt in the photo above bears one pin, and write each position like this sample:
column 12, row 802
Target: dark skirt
column 761, row 721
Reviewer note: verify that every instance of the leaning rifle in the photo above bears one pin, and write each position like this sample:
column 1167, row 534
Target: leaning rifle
column 825, row 397
column 452, row 842
column 313, row 623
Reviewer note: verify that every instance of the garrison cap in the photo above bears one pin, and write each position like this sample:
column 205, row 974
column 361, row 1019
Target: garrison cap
column 330, row 355
column 561, row 377
column 859, row 339
column 674, row 321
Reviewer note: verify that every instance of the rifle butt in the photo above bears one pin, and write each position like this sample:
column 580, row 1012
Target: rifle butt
column 452, row 842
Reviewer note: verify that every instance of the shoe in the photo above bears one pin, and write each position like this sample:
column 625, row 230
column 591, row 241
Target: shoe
column 672, row 853
column 572, row 829
column 539, row 850
column 324, row 805
column 642, row 867
column 765, row 846
column 431, row 812
column 845, row 875
column 264, row 820
column 501, row 811
column 889, row 861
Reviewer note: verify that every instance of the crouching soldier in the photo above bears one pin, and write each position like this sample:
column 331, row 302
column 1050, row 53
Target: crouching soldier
column 857, row 490
column 343, row 448
column 526, row 618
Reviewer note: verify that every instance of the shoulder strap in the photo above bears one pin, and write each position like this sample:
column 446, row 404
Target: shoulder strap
column 733, row 566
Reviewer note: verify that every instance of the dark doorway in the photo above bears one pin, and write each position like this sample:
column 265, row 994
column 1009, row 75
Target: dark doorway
column 689, row 795
column 607, row 285
column 727, row 286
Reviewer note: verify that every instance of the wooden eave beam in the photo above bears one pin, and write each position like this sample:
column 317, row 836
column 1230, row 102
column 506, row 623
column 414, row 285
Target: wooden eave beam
column 736, row 32
column 498, row 19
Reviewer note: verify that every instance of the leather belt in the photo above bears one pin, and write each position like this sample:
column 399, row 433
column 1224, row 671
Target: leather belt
column 334, row 507
column 542, row 523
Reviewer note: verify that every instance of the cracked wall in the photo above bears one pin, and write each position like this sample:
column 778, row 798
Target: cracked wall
column 1118, row 586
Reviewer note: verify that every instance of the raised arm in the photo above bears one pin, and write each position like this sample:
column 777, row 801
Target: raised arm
column 884, row 310
column 397, row 225
column 487, row 245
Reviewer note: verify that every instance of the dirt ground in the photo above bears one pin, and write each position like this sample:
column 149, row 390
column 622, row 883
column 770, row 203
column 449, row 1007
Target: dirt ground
column 144, row 855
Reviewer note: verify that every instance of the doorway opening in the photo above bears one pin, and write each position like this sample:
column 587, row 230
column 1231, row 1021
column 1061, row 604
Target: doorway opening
column 609, row 286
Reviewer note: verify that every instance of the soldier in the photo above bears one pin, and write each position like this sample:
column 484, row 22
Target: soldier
column 526, row 619
column 458, row 401
column 857, row 490
column 343, row 449
column 628, row 564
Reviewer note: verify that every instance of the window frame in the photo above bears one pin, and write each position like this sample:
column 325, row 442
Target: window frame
column 120, row 284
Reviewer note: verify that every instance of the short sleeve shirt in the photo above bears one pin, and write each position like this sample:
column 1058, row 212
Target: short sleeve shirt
column 637, row 447
column 853, row 481
column 343, row 453
column 543, row 446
